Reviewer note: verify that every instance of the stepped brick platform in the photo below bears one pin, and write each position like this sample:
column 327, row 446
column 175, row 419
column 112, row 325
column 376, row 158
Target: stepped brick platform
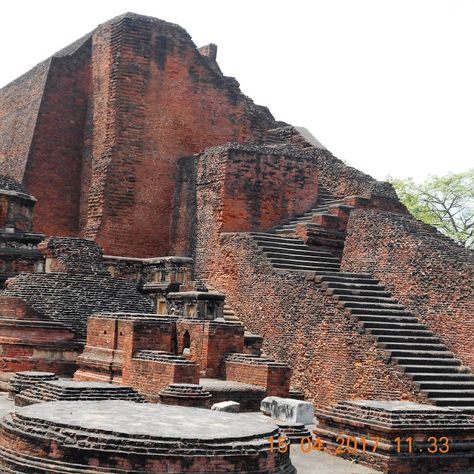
column 69, row 390
column 117, row 437
column 25, row 380
column 185, row 395
column 430, row 439
column 111, row 337
column 151, row 371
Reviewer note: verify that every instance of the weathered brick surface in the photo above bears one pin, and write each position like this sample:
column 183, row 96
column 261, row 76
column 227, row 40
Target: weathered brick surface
column 431, row 274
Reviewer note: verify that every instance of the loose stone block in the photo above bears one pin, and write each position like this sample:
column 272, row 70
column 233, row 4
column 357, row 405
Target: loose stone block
column 230, row 406
column 288, row 410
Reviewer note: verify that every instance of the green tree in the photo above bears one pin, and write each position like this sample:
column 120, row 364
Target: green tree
column 446, row 202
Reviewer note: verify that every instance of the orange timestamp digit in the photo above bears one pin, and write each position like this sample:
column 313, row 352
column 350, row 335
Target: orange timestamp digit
column 434, row 448
column 282, row 444
column 352, row 444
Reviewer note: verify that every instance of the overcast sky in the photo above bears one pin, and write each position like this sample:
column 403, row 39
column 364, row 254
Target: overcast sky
column 388, row 86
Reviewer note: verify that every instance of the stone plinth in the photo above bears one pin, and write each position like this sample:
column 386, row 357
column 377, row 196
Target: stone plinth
column 196, row 304
column 399, row 436
column 25, row 380
column 248, row 368
column 185, row 395
column 69, row 390
column 117, row 437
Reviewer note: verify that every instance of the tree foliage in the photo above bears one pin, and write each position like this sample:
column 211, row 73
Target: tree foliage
column 446, row 202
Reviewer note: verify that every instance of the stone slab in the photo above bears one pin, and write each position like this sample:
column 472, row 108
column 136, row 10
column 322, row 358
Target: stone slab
column 152, row 420
column 229, row 407
column 288, row 410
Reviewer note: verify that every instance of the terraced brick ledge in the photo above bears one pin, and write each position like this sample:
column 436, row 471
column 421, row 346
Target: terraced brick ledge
column 418, row 427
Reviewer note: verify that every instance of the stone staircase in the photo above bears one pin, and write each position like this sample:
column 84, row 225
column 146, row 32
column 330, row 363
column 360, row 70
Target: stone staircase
column 419, row 352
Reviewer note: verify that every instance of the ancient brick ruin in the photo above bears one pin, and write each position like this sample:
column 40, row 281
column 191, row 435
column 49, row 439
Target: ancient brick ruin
column 185, row 249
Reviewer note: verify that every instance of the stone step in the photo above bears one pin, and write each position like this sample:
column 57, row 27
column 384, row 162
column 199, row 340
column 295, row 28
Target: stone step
column 309, row 268
column 283, row 246
column 348, row 278
column 446, row 385
column 428, row 361
column 408, row 339
column 309, row 263
column 432, row 372
column 398, row 331
column 390, row 325
column 381, row 312
column 396, row 353
column 365, row 299
column 381, row 293
column 452, row 393
column 372, row 305
column 412, row 345
column 347, row 274
column 299, row 251
column 353, row 286
column 303, row 258
column 384, row 318
column 422, row 373
column 275, row 238
column 455, row 402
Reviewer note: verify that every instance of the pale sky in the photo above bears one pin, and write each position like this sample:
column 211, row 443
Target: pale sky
column 386, row 85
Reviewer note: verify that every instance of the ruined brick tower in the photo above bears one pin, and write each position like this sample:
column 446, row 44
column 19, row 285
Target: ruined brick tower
column 134, row 138
column 94, row 132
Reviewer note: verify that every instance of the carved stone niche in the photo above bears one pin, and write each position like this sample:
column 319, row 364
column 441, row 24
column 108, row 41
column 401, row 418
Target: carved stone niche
column 207, row 305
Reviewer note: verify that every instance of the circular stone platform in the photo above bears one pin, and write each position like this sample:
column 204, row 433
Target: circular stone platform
column 119, row 436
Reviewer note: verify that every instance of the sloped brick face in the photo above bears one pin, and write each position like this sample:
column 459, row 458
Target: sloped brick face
column 19, row 106
column 427, row 271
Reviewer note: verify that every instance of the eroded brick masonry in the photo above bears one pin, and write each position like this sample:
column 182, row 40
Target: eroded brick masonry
column 219, row 225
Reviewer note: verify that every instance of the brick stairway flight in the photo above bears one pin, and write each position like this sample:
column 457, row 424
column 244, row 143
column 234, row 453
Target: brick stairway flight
column 421, row 354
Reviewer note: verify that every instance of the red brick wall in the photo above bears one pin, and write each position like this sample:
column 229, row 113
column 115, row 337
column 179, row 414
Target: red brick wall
column 427, row 271
column 275, row 379
column 209, row 343
column 149, row 377
column 331, row 359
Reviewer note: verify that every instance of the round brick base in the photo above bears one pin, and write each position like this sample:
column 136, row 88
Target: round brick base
column 125, row 437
